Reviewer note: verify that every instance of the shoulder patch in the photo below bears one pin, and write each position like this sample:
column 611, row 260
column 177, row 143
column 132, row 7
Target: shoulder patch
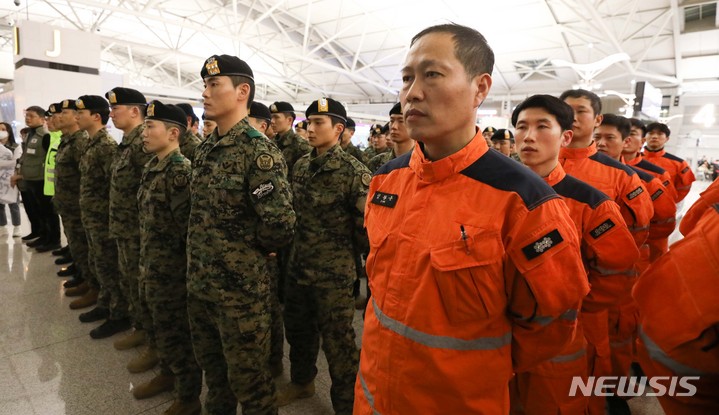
column 265, row 161
column 572, row 188
column 658, row 193
column 501, row 172
column 634, row 193
column 263, row 190
column 385, row 199
column 543, row 244
column 672, row 157
column 650, row 167
column 602, row 228
column 366, row 179
column 180, row 181
column 643, row 176
column 686, row 169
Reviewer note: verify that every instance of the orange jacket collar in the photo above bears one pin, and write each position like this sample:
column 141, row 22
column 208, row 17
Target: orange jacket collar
column 654, row 153
column 434, row 171
column 634, row 161
column 578, row 153
column 556, row 175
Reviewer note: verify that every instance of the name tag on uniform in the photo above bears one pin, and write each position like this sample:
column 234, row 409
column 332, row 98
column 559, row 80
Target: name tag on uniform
column 385, row 199
column 30, row 151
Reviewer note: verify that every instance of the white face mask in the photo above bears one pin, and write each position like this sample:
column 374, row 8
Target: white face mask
column 4, row 135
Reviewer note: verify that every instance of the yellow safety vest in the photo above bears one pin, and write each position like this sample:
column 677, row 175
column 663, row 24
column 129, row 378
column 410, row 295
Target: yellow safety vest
column 49, row 188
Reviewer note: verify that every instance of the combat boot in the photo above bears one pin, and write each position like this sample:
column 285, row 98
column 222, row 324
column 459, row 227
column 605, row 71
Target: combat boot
column 96, row 314
column 157, row 385
column 144, row 361
column 78, row 291
column 293, row 391
column 87, row 300
column 180, row 407
column 136, row 338
column 110, row 328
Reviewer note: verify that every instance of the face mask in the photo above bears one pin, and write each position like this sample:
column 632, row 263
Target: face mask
column 4, row 135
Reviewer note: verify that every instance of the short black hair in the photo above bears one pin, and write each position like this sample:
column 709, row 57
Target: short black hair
column 638, row 124
column 583, row 93
column 470, row 47
column 553, row 105
column 622, row 124
column 237, row 80
column 169, row 125
column 37, row 110
column 659, row 126
column 104, row 114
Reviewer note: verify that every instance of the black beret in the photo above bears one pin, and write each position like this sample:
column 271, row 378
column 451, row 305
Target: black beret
column 351, row 124
column 187, row 109
column 301, row 125
column 396, row 109
column 92, row 102
column 260, row 110
column 327, row 106
column 226, row 65
column 125, row 96
column 53, row 109
column 69, row 104
column 657, row 126
column 502, row 134
column 281, row 106
column 156, row 110
column 490, row 130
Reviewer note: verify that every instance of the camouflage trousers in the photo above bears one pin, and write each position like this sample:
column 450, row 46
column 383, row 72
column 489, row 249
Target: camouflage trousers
column 167, row 305
column 103, row 260
column 77, row 241
column 277, row 332
column 128, row 253
column 327, row 311
column 232, row 345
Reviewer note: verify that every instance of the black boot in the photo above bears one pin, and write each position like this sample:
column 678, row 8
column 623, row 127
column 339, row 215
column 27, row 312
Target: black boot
column 63, row 260
column 110, row 328
column 96, row 314
column 67, row 272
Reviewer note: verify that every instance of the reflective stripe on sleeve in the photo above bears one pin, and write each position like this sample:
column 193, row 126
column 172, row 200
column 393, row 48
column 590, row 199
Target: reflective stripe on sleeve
column 656, row 353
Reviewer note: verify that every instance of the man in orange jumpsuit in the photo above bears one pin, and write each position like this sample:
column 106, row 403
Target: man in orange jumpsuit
column 543, row 125
column 622, row 184
column 679, row 324
column 707, row 198
column 462, row 296
column 682, row 174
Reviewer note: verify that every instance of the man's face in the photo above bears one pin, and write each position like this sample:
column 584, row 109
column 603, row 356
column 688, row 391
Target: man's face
column 68, row 118
column 656, row 139
column 208, row 126
column 33, row 120
column 121, row 115
column 347, row 136
column 281, row 122
column 258, row 124
column 609, row 141
column 397, row 129
column 85, row 120
column 156, row 136
column 303, row 133
column 56, row 122
column 633, row 143
column 380, row 142
column 220, row 97
column 539, row 137
column 321, row 134
column 503, row 146
column 584, row 118
column 439, row 100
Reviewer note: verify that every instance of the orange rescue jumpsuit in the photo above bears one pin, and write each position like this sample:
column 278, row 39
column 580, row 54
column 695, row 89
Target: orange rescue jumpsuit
column 707, row 198
column 679, row 325
column 475, row 272
column 682, row 174
column 622, row 185
column 609, row 254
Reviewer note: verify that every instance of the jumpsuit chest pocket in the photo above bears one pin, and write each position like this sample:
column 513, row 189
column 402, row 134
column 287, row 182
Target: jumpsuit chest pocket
column 470, row 278
column 228, row 195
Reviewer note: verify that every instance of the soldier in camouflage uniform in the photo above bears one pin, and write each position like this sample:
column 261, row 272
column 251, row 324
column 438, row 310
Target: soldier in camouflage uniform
column 330, row 189
column 208, row 126
column 301, row 129
column 346, row 142
column 401, row 143
column 67, row 192
column 93, row 113
column 127, row 111
column 290, row 144
column 503, row 141
column 189, row 140
column 164, row 202
column 241, row 210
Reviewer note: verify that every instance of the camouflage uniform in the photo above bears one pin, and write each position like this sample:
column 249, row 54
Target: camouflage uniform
column 164, row 204
column 515, row 157
column 95, row 172
column 188, row 144
column 127, row 166
column 371, row 153
column 380, row 159
column 292, row 147
column 241, row 210
column 329, row 197
column 352, row 150
column 67, row 199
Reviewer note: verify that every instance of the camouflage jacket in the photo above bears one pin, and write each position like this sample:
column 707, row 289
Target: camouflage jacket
column 292, row 147
column 352, row 150
column 95, row 173
column 188, row 144
column 127, row 166
column 371, row 153
column 241, row 210
column 380, row 159
column 67, row 172
column 329, row 197
column 164, row 208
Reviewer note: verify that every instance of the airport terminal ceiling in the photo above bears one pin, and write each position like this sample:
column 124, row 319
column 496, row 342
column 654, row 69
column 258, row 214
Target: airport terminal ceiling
column 352, row 50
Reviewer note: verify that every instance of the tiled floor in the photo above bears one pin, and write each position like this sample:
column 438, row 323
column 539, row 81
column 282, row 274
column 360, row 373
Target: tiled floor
column 49, row 365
